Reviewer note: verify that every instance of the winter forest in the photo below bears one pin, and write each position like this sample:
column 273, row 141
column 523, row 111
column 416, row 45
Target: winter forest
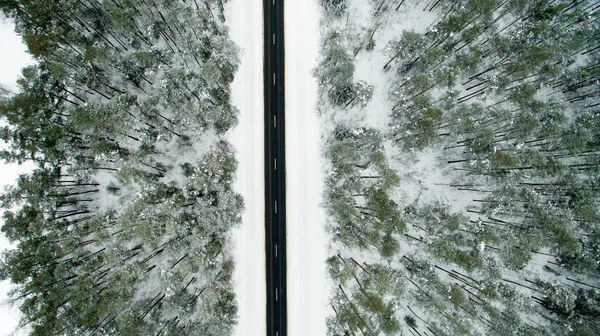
column 123, row 226
column 462, row 141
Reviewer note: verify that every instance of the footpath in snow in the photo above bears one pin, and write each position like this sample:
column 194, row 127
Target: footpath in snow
column 244, row 18
column 307, row 287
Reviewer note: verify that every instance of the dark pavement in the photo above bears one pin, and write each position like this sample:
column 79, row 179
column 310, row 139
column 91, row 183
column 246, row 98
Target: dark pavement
column 274, row 167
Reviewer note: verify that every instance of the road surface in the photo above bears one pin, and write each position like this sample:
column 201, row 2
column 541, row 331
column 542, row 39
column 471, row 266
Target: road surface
column 274, row 167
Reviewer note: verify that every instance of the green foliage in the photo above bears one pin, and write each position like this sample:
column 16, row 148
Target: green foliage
column 334, row 7
column 341, row 93
column 111, row 238
column 421, row 129
column 370, row 217
column 504, row 94
column 407, row 46
column 336, row 66
column 517, row 258
column 558, row 298
column 457, row 297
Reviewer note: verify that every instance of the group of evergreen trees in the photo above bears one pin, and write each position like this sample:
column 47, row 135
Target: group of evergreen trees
column 506, row 91
column 357, row 196
column 123, row 226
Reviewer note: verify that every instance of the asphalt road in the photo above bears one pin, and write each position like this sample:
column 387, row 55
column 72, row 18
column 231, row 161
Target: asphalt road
column 274, row 167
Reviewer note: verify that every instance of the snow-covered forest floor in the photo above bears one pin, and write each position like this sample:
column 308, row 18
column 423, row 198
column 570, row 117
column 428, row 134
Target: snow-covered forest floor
column 462, row 184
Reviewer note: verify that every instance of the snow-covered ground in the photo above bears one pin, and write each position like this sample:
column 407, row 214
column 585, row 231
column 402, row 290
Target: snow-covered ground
column 307, row 282
column 244, row 18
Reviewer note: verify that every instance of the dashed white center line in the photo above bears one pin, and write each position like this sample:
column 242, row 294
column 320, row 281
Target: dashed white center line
column 275, row 206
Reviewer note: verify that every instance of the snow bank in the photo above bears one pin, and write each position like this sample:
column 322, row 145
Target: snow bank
column 245, row 21
column 307, row 282
column 13, row 54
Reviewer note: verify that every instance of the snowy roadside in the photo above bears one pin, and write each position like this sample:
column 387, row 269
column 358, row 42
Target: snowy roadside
column 245, row 22
column 307, row 282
